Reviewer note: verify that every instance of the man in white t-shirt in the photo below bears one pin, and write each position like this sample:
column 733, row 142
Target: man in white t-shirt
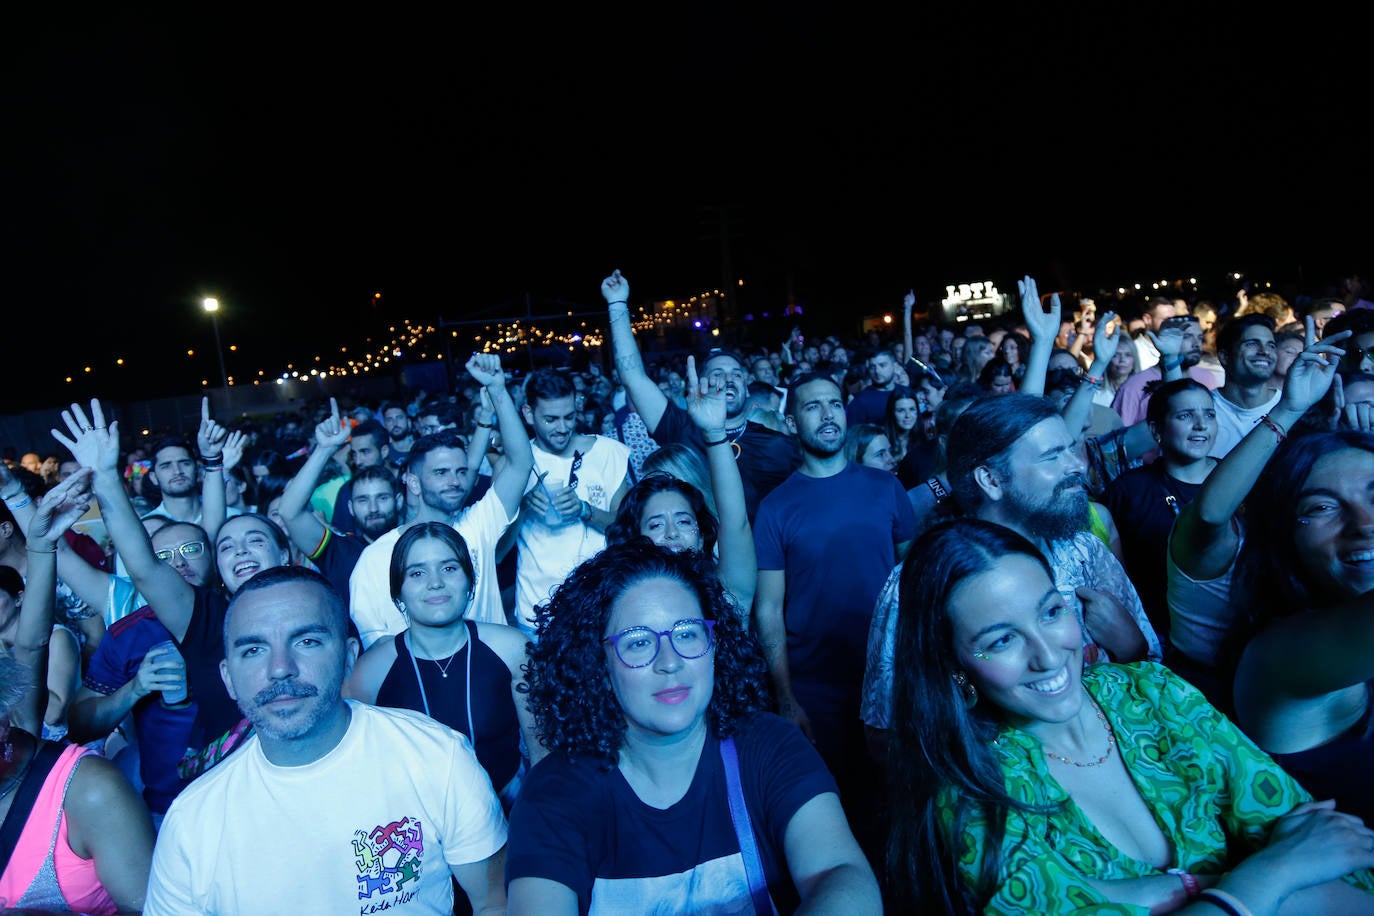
column 575, row 488
column 436, row 479
column 331, row 804
column 1247, row 350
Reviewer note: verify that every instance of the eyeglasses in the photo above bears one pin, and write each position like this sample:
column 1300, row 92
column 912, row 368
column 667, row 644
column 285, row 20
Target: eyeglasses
column 637, row 647
column 188, row 550
column 428, row 429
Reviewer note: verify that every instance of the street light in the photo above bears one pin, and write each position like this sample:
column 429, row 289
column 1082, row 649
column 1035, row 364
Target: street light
column 211, row 305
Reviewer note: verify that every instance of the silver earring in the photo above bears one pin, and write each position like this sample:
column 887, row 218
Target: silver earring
column 970, row 692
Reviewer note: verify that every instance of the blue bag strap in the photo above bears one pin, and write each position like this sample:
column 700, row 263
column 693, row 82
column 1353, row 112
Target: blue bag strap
column 744, row 831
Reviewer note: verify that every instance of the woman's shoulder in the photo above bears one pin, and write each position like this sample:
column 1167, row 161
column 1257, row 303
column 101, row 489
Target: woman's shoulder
column 1139, row 688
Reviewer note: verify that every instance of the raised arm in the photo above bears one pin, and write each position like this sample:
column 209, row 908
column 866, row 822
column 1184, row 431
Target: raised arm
column 1205, row 539
column 61, row 506
column 87, row 582
column 737, row 567
column 1169, row 343
column 1105, row 343
column 210, row 439
column 509, row 482
column 481, row 438
column 305, row 529
column 1044, row 328
column 643, row 392
column 96, row 446
column 908, row 303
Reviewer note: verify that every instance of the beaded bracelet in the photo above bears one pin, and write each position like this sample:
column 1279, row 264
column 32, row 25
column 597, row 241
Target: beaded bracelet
column 1190, row 886
column 1094, row 380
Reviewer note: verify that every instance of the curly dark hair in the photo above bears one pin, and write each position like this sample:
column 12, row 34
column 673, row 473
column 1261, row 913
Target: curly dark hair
column 576, row 712
column 627, row 518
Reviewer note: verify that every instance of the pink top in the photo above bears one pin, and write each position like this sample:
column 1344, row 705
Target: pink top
column 44, row 873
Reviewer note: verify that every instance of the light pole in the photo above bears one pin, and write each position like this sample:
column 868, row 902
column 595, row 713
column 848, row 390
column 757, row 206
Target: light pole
column 211, row 305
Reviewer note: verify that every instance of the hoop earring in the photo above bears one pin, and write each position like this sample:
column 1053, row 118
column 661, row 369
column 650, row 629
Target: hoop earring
column 966, row 688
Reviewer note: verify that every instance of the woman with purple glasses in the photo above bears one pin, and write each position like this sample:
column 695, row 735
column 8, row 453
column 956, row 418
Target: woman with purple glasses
column 667, row 788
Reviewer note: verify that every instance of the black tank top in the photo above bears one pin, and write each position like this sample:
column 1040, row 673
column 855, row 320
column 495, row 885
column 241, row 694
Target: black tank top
column 496, row 728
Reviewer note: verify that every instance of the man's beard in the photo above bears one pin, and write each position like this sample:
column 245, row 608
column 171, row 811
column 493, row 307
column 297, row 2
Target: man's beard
column 1058, row 518
column 376, row 526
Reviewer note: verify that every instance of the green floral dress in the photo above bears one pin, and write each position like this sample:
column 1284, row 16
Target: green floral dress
column 1213, row 793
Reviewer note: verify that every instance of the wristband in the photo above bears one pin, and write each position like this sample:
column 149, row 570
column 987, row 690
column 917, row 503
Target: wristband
column 721, row 441
column 211, row 464
column 1224, row 902
column 486, row 425
column 212, row 468
column 19, row 505
column 1190, row 885
column 40, row 550
column 1094, row 380
column 1274, row 426
column 624, row 302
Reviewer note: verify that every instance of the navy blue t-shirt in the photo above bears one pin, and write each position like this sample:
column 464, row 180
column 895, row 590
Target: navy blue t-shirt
column 163, row 734
column 585, row 828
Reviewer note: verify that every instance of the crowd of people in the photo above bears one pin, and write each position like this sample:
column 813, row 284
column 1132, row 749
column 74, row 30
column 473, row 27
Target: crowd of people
column 1064, row 611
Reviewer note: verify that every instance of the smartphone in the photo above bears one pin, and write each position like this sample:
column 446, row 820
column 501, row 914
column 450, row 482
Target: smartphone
column 1177, row 323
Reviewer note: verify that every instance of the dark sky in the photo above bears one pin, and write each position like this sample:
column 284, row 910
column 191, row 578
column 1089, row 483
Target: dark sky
column 462, row 161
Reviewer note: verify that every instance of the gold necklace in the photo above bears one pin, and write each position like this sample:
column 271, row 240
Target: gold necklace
column 1111, row 743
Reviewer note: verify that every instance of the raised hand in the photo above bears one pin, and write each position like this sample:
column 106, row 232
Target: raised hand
column 1043, row 325
column 909, row 300
column 486, row 369
column 233, row 449
column 92, row 443
column 210, row 437
column 705, row 402
column 60, row 507
column 1312, row 372
column 1169, row 342
column 616, row 289
column 331, row 432
column 1107, row 339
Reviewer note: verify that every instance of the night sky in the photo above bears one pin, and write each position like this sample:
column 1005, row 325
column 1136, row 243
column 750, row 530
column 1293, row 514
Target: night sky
column 457, row 162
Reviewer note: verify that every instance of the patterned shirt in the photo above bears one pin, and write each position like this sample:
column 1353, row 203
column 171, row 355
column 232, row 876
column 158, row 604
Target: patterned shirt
column 1077, row 561
column 1213, row 793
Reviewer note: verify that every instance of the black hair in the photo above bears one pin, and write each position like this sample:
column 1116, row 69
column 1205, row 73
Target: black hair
column 547, row 385
column 180, row 442
column 1229, row 333
column 420, row 449
column 280, row 575
column 1270, row 577
column 437, row 531
column 941, row 756
column 374, row 429
column 1162, row 395
column 790, row 409
column 575, row 709
column 983, row 435
column 631, row 511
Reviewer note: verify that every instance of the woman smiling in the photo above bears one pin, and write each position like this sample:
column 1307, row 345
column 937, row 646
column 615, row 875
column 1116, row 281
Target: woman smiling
column 1024, row 784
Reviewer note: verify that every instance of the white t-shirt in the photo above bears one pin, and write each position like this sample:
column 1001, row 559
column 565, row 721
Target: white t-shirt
column 1234, row 423
column 369, row 587
column 549, row 552
column 376, row 825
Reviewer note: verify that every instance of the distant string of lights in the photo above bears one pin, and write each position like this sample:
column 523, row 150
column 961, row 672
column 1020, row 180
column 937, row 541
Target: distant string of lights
column 507, row 337
column 424, row 342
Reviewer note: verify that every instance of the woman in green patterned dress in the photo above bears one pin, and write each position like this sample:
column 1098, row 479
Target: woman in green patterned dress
column 1023, row 783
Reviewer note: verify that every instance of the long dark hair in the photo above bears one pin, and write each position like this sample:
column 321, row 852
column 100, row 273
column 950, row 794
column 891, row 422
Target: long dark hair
column 627, row 518
column 1270, row 579
column 901, row 440
column 938, row 744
